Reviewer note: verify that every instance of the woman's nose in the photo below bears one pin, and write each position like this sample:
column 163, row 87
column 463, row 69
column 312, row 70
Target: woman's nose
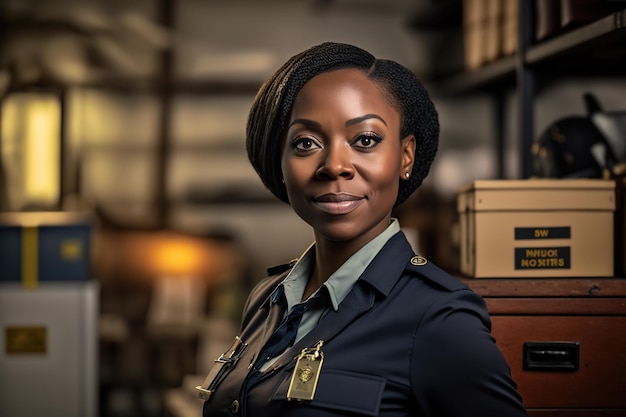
column 336, row 163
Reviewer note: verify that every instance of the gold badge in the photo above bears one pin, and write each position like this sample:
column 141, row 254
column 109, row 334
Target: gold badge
column 306, row 374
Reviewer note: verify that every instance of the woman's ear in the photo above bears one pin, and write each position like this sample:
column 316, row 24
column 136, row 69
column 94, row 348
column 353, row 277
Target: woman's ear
column 407, row 148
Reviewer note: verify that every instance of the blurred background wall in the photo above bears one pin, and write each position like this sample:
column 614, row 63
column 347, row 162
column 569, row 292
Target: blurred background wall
column 135, row 112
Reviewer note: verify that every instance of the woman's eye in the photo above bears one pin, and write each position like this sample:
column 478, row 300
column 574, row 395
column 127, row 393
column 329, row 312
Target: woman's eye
column 304, row 144
column 367, row 141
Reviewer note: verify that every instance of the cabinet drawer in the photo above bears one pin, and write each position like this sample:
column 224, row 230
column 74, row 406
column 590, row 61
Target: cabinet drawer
column 599, row 381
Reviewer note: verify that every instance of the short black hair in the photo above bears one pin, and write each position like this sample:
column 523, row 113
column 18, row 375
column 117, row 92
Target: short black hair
column 272, row 106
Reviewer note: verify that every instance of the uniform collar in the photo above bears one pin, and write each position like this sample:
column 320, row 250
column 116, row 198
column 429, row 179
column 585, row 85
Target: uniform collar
column 341, row 282
column 388, row 264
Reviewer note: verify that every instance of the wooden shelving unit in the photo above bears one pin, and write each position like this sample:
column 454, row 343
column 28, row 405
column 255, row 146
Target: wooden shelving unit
column 601, row 42
column 598, row 48
column 595, row 49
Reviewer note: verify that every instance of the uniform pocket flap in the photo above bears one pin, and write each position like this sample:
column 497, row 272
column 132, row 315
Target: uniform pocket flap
column 343, row 391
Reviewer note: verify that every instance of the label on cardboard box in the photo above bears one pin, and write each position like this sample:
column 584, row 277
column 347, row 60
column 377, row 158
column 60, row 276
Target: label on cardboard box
column 543, row 258
column 522, row 233
column 26, row 339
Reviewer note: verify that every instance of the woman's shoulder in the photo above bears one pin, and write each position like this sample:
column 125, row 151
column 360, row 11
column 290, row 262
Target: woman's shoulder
column 280, row 269
column 420, row 267
column 264, row 289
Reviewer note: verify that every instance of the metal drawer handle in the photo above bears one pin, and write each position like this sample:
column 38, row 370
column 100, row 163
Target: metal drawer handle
column 551, row 356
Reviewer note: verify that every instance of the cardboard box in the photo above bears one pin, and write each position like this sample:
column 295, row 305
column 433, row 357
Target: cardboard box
column 537, row 228
column 42, row 247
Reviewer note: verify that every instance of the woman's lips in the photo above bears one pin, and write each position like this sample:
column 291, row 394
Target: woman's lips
column 338, row 203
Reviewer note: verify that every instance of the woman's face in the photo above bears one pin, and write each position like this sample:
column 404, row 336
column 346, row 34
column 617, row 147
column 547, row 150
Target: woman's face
column 342, row 157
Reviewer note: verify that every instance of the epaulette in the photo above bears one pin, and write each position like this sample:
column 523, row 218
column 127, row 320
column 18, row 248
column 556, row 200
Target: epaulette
column 278, row 269
column 431, row 272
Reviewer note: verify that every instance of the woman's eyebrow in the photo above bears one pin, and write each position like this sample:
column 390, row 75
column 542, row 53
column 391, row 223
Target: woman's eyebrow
column 360, row 119
column 351, row 122
column 306, row 122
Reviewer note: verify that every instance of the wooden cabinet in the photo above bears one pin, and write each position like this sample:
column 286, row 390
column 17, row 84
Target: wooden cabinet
column 577, row 364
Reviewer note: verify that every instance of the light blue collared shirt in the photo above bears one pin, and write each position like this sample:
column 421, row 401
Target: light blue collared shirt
column 338, row 284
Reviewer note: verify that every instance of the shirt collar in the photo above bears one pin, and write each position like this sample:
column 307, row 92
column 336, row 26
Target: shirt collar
column 341, row 281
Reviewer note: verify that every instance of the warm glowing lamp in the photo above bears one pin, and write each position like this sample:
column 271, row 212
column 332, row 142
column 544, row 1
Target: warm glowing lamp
column 31, row 149
column 178, row 256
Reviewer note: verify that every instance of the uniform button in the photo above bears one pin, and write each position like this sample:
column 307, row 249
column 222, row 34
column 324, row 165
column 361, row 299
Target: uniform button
column 234, row 407
column 418, row 260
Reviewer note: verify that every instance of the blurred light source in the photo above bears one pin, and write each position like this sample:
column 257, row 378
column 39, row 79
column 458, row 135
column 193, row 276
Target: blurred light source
column 31, row 149
column 178, row 256
column 148, row 255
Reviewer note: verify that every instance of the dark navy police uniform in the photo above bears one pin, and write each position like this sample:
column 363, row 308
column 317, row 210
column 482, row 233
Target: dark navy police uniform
column 408, row 340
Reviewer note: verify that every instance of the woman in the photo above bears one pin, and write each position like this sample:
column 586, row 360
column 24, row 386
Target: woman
column 368, row 328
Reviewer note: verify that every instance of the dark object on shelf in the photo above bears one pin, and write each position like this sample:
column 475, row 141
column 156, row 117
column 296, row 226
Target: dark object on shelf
column 564, row 150
column 579, row 12
column 581, row 146
column 547, row 18
column 612, row 125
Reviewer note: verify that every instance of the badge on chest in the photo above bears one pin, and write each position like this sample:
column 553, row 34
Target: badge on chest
column 306, row 374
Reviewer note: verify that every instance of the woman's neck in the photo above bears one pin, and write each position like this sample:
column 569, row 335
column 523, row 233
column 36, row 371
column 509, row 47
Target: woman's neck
column 329, row 257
